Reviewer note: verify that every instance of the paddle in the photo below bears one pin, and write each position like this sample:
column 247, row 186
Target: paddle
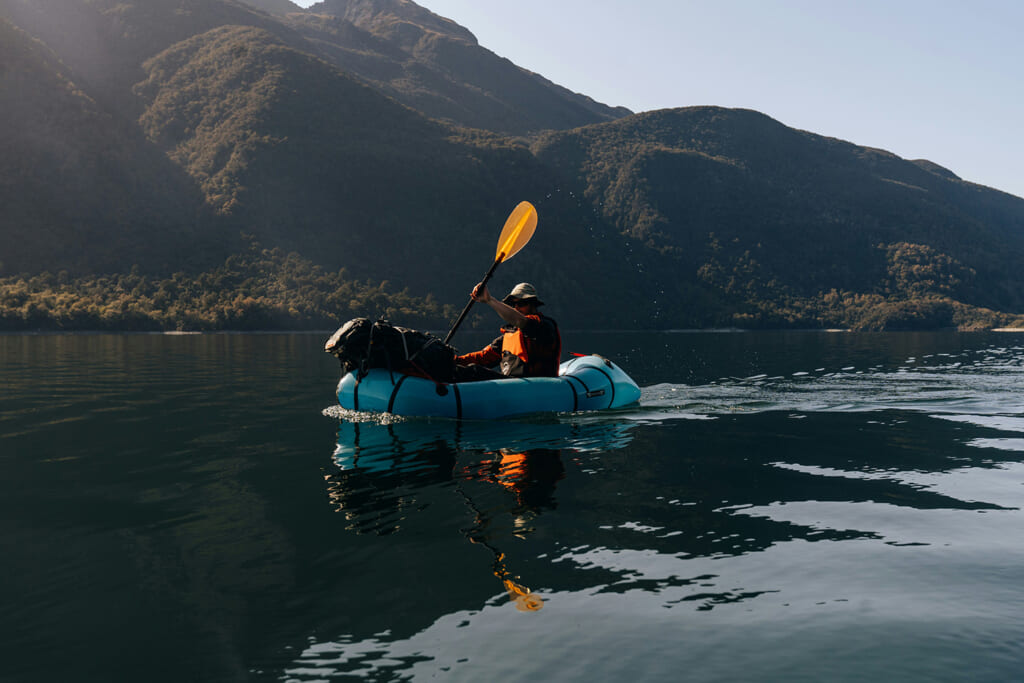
column 517, row 232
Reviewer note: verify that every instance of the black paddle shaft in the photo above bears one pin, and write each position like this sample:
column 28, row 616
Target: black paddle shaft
column 465, row 310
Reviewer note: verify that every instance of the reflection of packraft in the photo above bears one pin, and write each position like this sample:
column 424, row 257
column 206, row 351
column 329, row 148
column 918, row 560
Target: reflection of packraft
column 360, row 345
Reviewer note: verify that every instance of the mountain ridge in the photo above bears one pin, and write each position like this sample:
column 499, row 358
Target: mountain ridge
column 394, row 153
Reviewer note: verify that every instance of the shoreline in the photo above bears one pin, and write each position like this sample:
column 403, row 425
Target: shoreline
column 710, row 330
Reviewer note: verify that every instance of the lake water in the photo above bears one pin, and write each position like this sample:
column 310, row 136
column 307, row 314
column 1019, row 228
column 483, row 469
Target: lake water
column 778, row 507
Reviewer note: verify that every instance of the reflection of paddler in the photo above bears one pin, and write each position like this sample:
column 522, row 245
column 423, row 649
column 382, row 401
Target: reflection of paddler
column 526, row 600
column 381, row 465
column 531, row 475
column 516, row 472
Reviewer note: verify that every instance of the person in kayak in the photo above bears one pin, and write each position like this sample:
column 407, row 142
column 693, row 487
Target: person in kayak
column 529, row 346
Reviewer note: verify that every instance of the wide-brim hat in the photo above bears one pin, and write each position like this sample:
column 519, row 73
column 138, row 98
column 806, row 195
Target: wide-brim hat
column 524, row 291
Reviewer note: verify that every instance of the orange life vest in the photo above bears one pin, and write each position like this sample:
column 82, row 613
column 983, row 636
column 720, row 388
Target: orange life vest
column 522, row 356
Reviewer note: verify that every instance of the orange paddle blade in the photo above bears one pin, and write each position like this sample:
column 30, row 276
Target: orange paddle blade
column 518, row 230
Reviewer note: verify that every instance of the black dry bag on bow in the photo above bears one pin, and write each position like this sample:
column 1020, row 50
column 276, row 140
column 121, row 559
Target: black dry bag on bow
column 361, row 344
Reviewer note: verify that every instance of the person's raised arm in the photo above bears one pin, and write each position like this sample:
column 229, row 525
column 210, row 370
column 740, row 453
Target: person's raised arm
column 510, row 315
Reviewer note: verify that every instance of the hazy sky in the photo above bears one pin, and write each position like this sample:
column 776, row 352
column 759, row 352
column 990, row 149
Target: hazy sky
column 934, row 79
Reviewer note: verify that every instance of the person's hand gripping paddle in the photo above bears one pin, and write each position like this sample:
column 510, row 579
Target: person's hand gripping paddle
column 517, row 232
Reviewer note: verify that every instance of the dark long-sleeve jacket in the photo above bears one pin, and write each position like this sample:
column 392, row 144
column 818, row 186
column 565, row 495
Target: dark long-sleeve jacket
column 533, row 351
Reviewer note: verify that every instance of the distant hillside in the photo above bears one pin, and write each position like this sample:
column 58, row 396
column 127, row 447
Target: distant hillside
column 79, row 189
column 724, row 194
column 437, row 67
column 385, row 147
column 420, row 59
column 105, row 42
column 278, row 143
column 400, row 21
column 309, row 159
column 280, row 7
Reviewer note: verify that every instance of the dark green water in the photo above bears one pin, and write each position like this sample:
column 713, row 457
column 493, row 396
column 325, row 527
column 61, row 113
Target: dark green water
column 779, row 507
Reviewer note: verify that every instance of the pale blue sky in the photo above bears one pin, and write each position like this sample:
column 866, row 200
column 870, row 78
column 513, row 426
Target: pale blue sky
column 936, row 79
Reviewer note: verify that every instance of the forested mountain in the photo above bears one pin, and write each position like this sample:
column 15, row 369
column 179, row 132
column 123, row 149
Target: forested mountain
column 280, row 7
column 438, row 68
column 741, row 200
column 380, row 142
column 80, row 188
